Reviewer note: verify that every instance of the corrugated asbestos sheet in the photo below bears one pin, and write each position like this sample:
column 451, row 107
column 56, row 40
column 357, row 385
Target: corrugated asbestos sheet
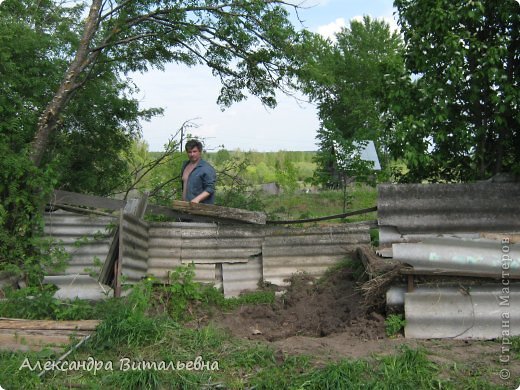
column 204, row 244
column 482, row 312
column 462, row 230
column 231, row 256
column 290, row 250
column 448, row 208
column 164, row 248
column 85, row 238
column 240, row 277
column 240, row 256
column 211, row 243
column 135, row 248
column 209, row 274
column 464, row 256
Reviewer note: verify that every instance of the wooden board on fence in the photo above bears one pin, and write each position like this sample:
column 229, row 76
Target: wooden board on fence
column 73, row 198
column 35, row 335
column 220, row 212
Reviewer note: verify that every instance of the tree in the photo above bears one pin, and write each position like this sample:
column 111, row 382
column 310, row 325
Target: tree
column 35, row 42
column 347, row 79
column 38, row 38
column 245, row 43
column 463, row 120
column 99, row 124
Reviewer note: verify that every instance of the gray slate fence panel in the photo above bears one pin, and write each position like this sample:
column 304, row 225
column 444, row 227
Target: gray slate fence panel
column 451, row 312
column 220, row 244
column 468, row 257
column 241, row 277
column 86, row 238
column 231, row 256
column 441, row 208
column 466, row 230
column 210, row 273
column 287, row 251
column 135, row 249
column 164, row 250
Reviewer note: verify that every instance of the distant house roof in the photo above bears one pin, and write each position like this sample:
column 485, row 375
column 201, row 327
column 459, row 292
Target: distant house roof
column 366, row 153
column 369, row 153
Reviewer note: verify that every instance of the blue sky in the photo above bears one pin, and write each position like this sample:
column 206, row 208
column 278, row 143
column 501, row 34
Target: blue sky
column 191, row 94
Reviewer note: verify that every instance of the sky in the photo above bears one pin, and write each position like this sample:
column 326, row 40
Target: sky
column 190, row 94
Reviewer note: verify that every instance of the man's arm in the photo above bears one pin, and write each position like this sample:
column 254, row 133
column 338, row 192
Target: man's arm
column 201, row 197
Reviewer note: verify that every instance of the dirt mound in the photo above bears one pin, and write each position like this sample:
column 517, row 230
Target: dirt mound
column 308, row 308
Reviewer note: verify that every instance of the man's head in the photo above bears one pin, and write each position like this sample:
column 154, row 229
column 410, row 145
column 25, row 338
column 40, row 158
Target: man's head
column 194, row 150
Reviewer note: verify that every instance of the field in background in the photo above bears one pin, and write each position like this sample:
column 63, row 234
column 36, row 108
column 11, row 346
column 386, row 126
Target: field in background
column 301, row 205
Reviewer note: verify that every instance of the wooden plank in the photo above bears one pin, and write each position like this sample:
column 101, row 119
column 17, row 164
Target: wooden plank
column 48, row 324
column 35, row 335
column 106, row 275
column 228, row 213
column 411, row 284
column 73, row 198
column 36, row 340
column 168, row 212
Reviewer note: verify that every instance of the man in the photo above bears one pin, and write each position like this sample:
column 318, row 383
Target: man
column 198, row 177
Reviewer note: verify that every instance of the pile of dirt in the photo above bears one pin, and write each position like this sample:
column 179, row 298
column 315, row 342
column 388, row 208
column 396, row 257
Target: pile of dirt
column 308, row 307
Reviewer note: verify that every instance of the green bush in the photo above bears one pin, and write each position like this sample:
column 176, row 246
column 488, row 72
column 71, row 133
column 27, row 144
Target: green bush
column 182, row 291
column 24, row 190
column 30, row 303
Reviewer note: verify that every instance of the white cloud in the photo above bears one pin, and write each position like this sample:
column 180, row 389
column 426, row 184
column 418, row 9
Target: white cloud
column 329, row 30
column 392, row 22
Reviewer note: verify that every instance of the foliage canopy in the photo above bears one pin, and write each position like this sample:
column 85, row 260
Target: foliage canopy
column 462, row 121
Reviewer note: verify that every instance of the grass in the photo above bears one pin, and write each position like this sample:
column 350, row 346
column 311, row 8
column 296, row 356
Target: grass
column 325, row 203
column 241, row 365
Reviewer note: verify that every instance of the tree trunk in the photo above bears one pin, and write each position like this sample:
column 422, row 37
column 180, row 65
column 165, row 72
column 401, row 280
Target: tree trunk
column 49, row 119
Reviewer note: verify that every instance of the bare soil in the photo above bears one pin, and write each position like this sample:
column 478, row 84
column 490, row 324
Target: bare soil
column 324, row 318
column 309, row 308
